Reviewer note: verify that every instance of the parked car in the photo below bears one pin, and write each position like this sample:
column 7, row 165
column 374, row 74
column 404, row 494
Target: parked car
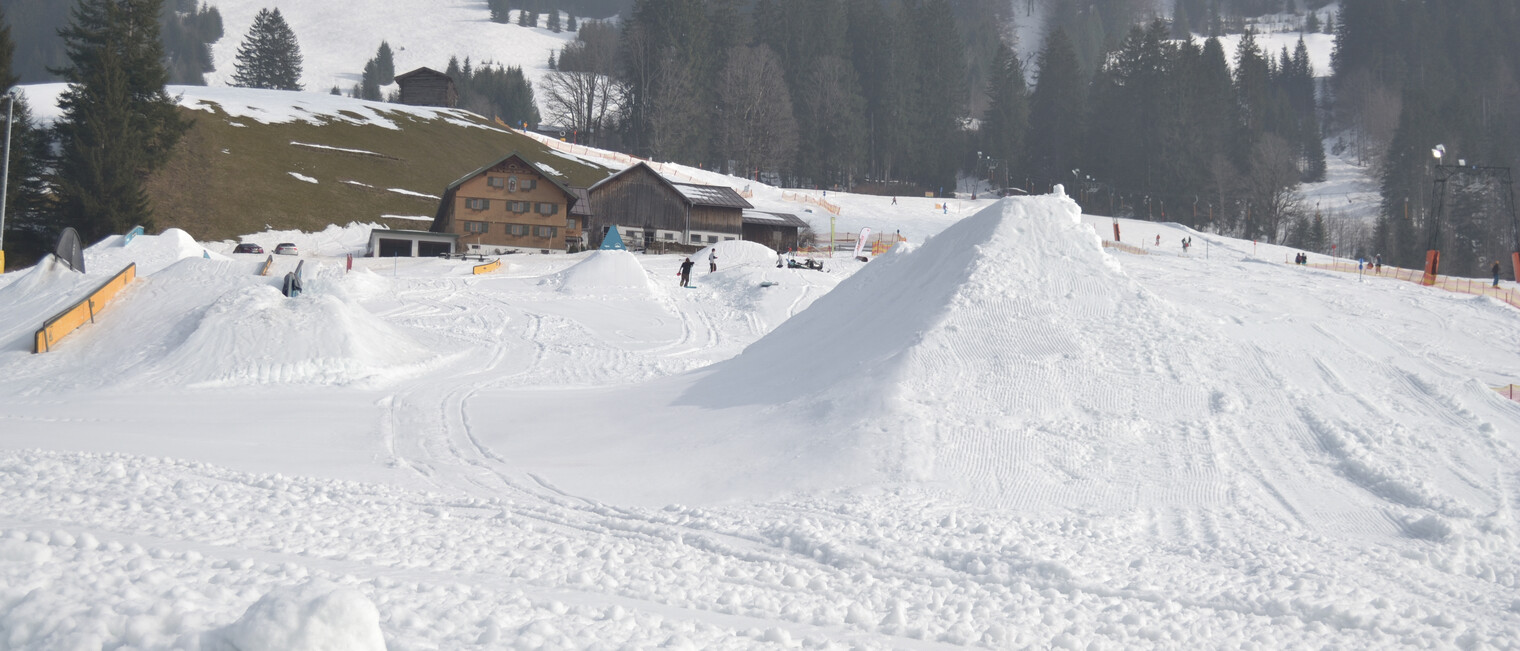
column 248, row 247
column 285, row 248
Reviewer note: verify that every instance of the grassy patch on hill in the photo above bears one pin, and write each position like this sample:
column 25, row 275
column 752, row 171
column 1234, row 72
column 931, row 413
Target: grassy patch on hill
column 234, row 176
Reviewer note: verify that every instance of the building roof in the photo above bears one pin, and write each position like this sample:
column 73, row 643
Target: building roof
column 422, row 72
column 695, row 195
column 582, row 205
column 408, row 233
column 773, row 219
column 711, row 195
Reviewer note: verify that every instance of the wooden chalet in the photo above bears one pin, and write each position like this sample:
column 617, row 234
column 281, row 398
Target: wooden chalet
column 508, row 206
column 774, row 229
column 427, row 87
column 649, row 210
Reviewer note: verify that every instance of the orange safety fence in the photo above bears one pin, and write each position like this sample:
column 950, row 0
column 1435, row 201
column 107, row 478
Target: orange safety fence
column 1509, row 391
column 800, row 197
column 83, row 312
column 1474, row 286
column 1110, row 244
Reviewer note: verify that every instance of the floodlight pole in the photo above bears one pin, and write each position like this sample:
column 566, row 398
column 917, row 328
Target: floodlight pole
column 5, row 171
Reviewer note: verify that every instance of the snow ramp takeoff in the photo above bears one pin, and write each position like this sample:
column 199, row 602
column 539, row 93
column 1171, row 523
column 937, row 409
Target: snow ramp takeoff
column 1012, row 361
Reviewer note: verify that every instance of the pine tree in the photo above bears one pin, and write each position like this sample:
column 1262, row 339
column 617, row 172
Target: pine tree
column 385, row 65
column 1055, row 113
column 570, row 23
column 269, row 57
column 554, row 21
column 28, row 231
column 501, row 11
column 118, row 124
column 335, row 90
column 1008, row 114
column 369, row 85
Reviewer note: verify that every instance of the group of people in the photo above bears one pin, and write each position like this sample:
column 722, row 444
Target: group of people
column 1301, row 258
column 712, row 266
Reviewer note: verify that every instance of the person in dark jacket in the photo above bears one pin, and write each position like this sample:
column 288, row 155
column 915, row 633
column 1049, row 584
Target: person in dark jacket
column 686, row 272
column 1496, row 273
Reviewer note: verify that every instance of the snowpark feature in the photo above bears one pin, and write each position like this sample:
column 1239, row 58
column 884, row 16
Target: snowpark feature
column 1003, row 437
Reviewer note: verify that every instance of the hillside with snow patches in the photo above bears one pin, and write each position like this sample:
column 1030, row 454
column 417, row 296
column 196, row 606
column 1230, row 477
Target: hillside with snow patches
column 998, row 435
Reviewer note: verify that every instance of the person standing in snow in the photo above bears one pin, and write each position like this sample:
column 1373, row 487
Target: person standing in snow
column 1496, row 273
column 894, row 201
column 686, row 272
column 1377, row 263
column 712, row 260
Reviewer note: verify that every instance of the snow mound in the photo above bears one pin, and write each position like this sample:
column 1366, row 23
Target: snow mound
column 255, row 335
column 605, row 272
column 735, row 253
column 314, row 616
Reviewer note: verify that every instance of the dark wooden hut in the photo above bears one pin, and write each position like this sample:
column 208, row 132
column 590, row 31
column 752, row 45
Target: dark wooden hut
column 777, row 230
column 650, row 210
column 427, row 87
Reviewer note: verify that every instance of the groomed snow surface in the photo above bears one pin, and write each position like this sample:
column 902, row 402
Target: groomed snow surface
column 1002, row 437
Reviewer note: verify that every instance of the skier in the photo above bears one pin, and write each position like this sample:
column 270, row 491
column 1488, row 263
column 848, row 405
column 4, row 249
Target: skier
column 1496, row 273
column 712, row 260
column 686, row 272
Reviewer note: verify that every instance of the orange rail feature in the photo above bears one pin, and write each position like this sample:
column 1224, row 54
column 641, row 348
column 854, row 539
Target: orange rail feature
column 264, row 271
column 488, row 267
column 1109, row 244
column 83, row 312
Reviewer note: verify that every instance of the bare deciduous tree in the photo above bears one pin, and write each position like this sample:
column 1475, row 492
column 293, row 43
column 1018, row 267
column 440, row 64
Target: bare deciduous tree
column 755, row 110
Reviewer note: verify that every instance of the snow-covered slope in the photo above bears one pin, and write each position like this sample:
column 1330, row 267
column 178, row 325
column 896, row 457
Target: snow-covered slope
column 337, row 38
column 1002, row 437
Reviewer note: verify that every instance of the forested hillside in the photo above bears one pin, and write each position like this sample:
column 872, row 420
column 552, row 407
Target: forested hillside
column 1133, row 103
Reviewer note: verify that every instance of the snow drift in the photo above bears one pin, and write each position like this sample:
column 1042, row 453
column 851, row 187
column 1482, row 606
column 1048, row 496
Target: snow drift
column 603, row 273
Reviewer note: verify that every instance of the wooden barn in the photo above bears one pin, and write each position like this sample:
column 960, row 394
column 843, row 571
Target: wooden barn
column 428, row 87
column 650, row 210
column 777, row 230
column 509, row 206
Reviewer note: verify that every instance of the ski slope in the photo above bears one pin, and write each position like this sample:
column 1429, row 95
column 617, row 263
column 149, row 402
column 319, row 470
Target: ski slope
column 1000, row 435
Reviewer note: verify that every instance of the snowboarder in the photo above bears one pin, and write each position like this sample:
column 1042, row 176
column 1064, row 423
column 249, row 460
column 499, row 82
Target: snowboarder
column 712, row 260
column 780, row 262
column 686, row 272
column 1158, row 239
column 894, row 201
column 1496, row 273
column 1377, row 263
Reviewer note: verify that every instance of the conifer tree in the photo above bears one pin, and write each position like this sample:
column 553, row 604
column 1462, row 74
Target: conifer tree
column 501, row 11
column 1055, row 113
column 554, row 21
column 570, row 23
column 369, row 85
column 1008, row 114
column 28, row 231
column 385, row 64
column 269, row 57
column 118, row 124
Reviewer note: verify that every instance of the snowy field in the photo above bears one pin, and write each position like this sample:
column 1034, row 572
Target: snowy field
column 1000, row 436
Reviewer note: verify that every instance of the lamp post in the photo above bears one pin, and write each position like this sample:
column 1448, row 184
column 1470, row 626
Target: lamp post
column 5, row 170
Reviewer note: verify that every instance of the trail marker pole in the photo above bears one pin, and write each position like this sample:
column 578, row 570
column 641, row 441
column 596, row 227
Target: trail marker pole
column 5, row 175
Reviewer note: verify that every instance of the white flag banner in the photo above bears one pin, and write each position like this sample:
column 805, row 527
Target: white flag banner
column 860, row 242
